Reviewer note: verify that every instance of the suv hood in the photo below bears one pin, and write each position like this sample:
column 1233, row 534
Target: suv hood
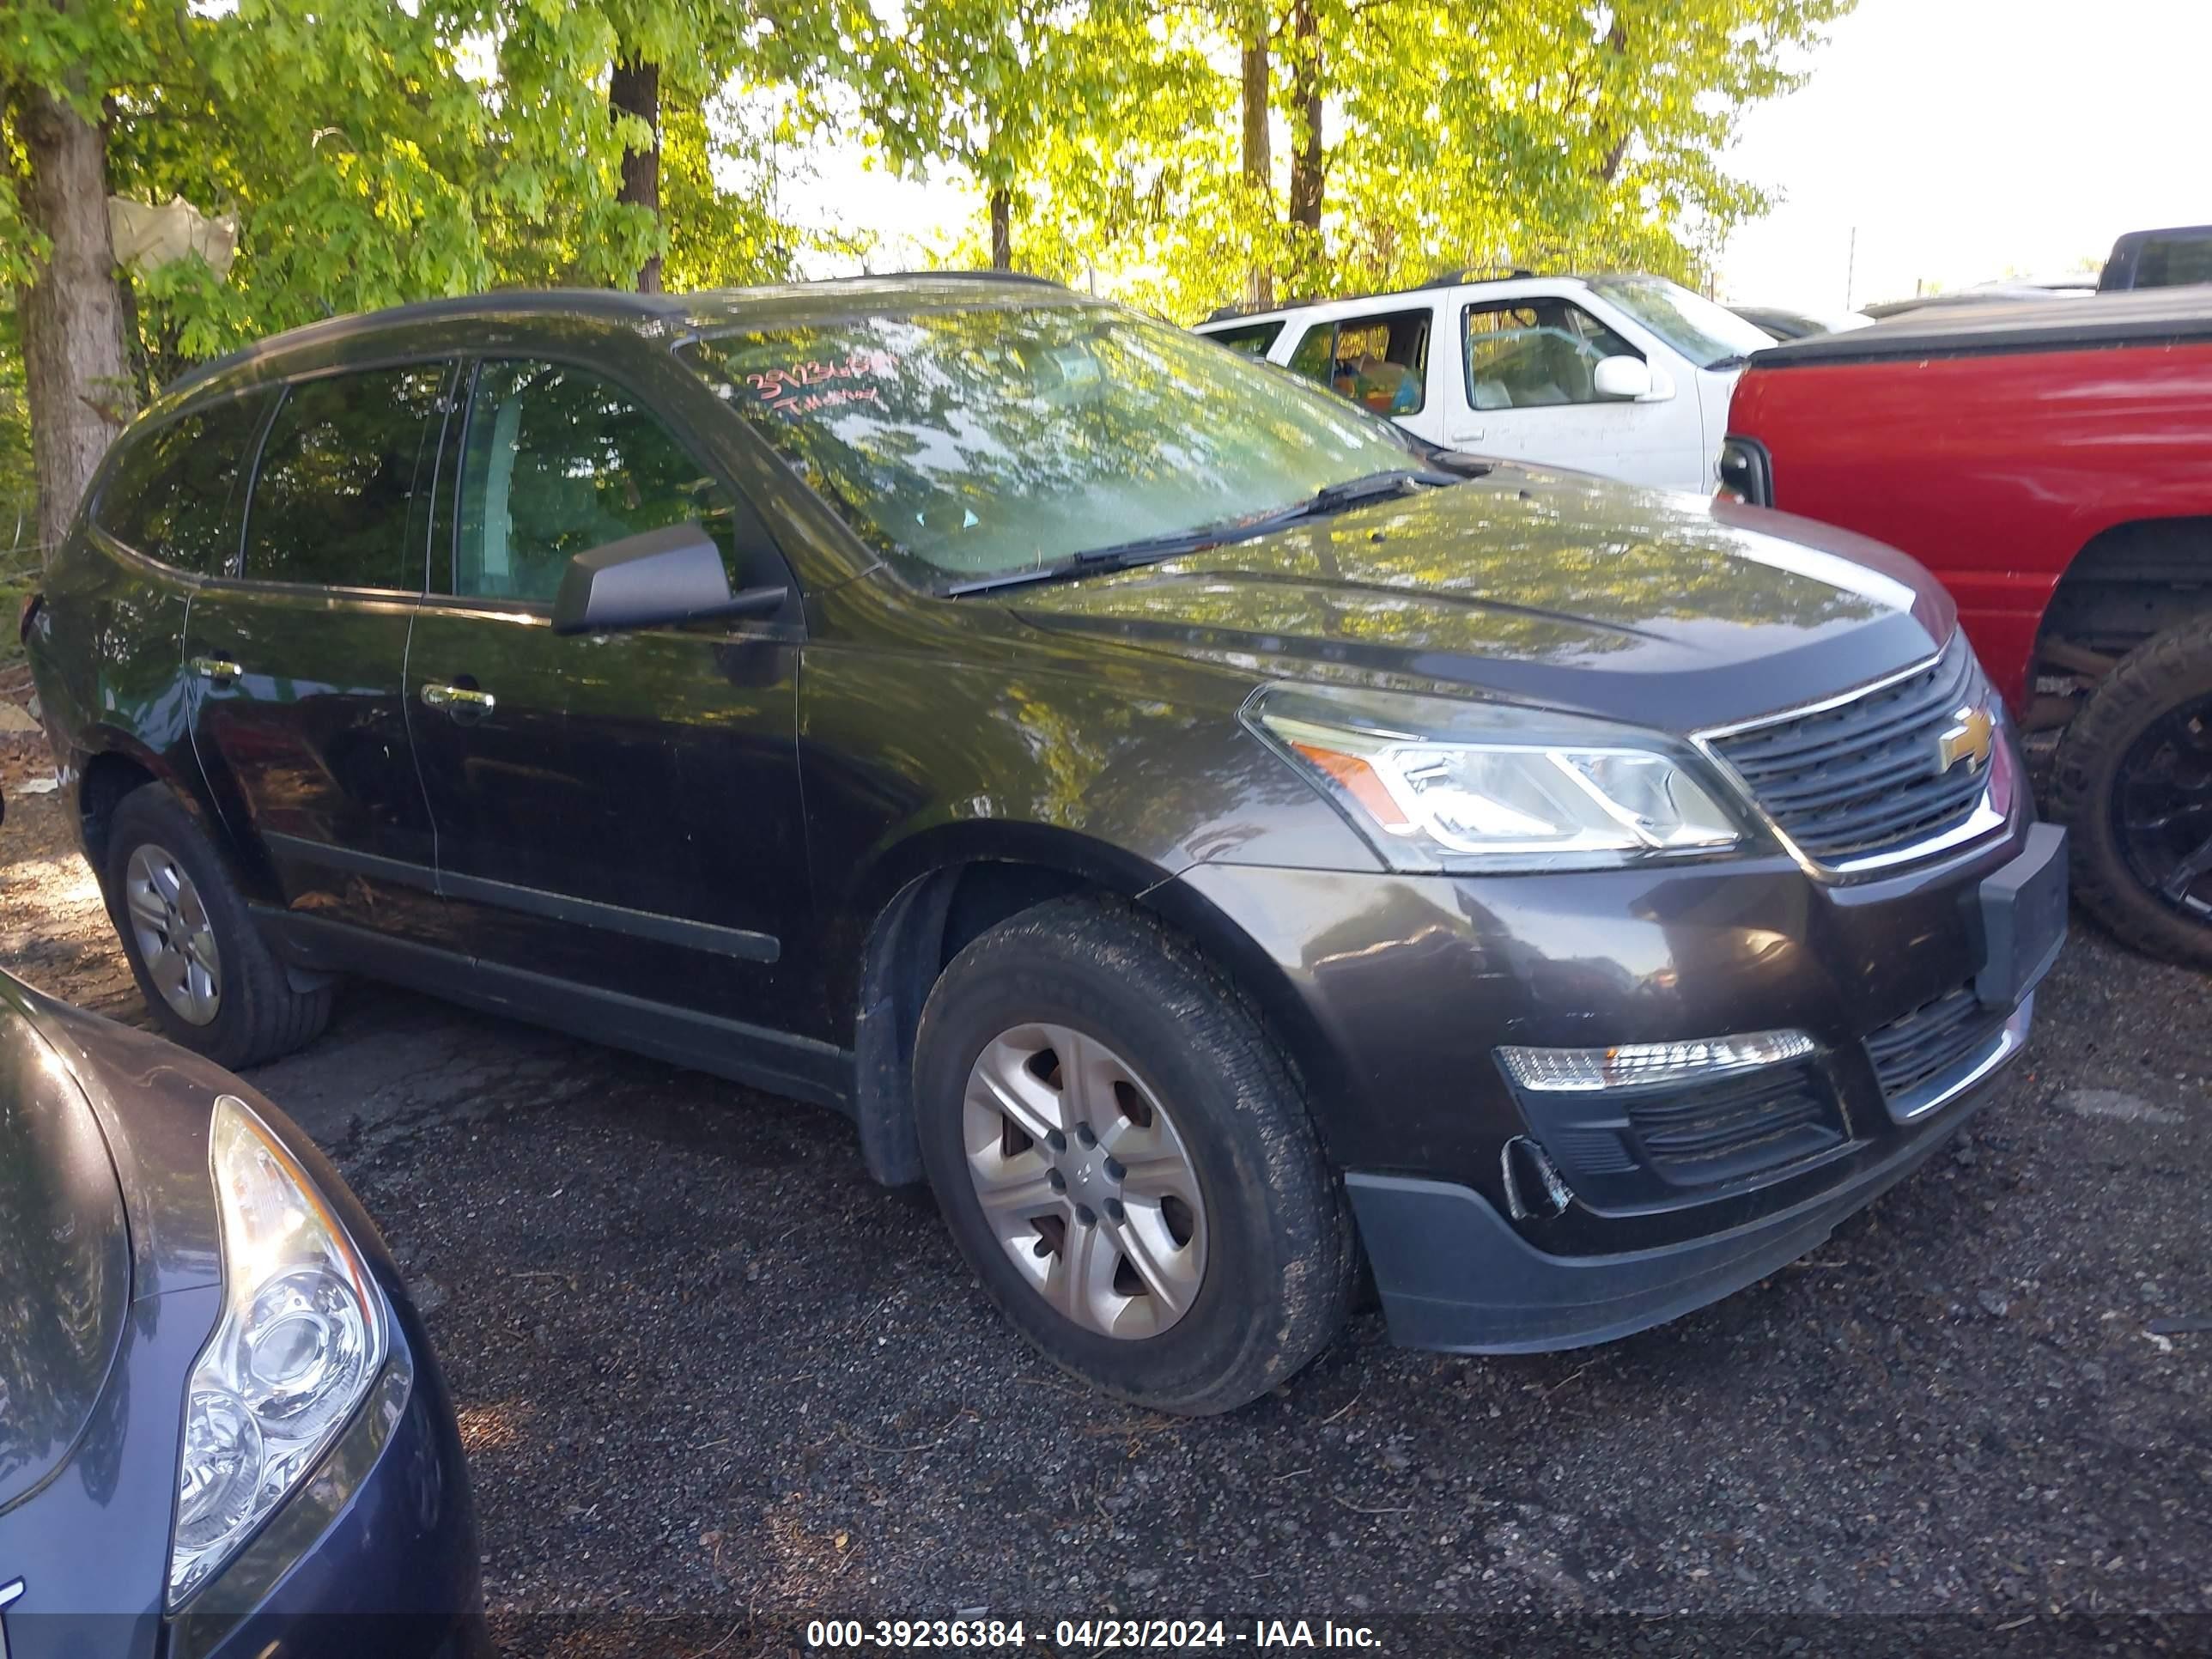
column 64, row 1259
column 1550, row 588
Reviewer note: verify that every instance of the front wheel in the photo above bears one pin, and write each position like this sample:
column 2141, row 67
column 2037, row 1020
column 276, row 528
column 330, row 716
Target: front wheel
column 1123, row 1158
column 2132, row 782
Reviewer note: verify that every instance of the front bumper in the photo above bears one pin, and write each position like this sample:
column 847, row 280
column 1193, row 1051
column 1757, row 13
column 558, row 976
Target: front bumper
column 1394, row 992
column 1422, row 1236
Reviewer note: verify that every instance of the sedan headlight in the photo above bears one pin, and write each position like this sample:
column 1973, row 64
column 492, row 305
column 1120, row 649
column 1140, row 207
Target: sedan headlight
column 302, row 1338
column 1442, row 784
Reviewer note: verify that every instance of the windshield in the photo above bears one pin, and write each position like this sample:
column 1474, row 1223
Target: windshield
column 976, row 442
column 1707, row 334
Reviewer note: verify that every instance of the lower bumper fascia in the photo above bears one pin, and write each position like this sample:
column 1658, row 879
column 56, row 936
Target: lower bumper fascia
column 1455, row 1277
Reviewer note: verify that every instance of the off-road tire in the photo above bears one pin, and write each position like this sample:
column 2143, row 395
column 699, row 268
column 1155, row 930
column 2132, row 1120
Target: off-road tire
column 2173, row 667
column 259, row 1014
column 1281, row 1261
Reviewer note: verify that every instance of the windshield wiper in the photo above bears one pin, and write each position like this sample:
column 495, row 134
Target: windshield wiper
column 1151, row 549
column 1336, row 497
column 1098, row 561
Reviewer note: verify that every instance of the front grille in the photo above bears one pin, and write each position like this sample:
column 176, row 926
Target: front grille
column 1733, row 1127
column 1942, row 1036
column 1866, row 776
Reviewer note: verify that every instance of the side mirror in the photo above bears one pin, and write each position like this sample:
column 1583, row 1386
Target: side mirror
column 652, row 579
column 1621, row 380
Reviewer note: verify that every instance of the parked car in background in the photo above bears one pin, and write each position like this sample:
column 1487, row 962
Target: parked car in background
column 1627, row 377
column 1781, row 324
column 1200, row 838
column 2052, row 465
column 1984, row 293
column 222, row 1431
column 2159, row 258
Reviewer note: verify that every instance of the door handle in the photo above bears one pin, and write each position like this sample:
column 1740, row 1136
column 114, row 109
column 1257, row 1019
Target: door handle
column 216, row 669
column 463, row 702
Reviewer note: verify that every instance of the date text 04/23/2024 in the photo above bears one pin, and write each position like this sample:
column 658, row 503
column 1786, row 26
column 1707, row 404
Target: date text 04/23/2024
column 1088, row 1634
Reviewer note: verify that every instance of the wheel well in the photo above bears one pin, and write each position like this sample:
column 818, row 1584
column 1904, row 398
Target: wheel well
column 915, row 938
column 107, row 779
column 2126, row 584
column 930, row 921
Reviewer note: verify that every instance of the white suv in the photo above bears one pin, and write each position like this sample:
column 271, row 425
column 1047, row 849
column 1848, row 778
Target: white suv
column 1626, row 376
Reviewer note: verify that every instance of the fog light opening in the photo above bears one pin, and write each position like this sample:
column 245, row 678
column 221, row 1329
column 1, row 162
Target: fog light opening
column 1534, row 1188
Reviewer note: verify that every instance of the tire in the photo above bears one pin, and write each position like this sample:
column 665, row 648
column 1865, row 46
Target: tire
column 256, row 1014
column 1268, row 1243
column 2172, row 670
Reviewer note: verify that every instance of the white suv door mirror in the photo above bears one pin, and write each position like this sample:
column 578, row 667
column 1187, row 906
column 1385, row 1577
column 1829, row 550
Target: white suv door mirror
column 1621, row 380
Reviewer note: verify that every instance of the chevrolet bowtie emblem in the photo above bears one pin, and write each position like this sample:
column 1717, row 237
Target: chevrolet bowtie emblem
column 1967, row 737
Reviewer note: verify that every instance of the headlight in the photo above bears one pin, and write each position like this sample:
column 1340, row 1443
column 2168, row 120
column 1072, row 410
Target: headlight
column 1442, row 785
column 302, row 1337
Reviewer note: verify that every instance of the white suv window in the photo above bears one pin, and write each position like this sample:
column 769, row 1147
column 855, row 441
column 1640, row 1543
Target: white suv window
column 1529, row 353
column 1380, row 363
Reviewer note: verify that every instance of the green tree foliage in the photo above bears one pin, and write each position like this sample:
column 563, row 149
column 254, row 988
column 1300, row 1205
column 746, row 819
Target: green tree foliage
column 1021, row 95
column 1188, row 151
column 1411, row 136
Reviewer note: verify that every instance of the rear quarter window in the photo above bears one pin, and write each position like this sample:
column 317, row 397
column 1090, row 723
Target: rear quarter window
column 1253, row 339
column 174, row 496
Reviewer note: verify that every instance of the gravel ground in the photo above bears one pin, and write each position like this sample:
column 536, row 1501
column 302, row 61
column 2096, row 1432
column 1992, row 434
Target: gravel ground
column 715, row 1383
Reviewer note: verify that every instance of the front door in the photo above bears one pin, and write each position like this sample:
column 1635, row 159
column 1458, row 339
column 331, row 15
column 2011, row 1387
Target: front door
column 617, row 812
column 1529, row 369
column 295, row 655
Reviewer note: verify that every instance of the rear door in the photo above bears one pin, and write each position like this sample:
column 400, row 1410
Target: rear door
column 295, row 657
column 1380, row 360
column 621, row 811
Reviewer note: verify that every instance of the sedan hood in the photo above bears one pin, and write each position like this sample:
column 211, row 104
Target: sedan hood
column 1549, row 588
column 64, row 1259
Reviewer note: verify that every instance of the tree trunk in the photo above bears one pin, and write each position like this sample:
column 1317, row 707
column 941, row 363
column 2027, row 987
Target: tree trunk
column 1306, row 160
column 1616, row 44
column 635, row 89
column 1258, row 157
column 1002, row 228
column 76, row 378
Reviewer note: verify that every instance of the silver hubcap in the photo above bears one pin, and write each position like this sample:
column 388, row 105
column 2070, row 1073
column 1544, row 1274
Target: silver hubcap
column 1083, row 1180
column 174, row 940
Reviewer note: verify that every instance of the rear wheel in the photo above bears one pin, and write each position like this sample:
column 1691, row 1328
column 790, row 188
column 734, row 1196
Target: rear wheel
column 207, row 977
column 2133, row 784
column 1123, row 1158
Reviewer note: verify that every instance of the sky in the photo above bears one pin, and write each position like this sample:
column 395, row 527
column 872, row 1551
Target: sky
column 1964, row 140
column 1971, row 139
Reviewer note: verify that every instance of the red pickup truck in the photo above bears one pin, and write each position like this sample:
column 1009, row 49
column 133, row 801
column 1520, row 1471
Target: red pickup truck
column 2051, row 463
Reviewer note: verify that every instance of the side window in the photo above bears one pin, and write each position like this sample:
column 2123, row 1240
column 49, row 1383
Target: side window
column 1253, row 339
column 172, row 496
column 1526, row 354
column 1380, row 362
column 558, row 462
column 344, row 480
column 2172, row 261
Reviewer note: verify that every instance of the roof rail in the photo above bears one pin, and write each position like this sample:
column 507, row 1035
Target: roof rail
column 1442, row 279
column 1463, row 274
column 1255, row 308
column 975, row 276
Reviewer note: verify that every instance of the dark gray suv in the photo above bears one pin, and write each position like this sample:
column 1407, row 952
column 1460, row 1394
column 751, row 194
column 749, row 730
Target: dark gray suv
column 1208, row 836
